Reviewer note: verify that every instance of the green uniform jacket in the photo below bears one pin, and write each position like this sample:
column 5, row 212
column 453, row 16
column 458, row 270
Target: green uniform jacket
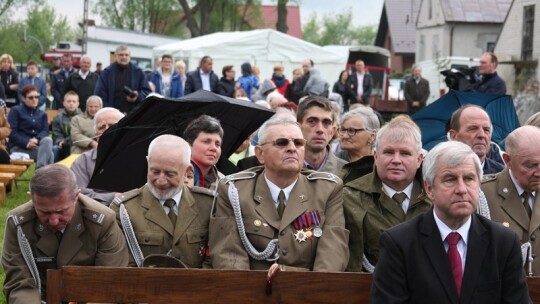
column 313, row 191
column 369, row 212
column 155, row 232
column 92, row 238
column 506, row 207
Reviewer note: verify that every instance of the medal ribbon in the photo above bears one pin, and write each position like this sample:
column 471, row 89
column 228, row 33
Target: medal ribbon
column 308, row 219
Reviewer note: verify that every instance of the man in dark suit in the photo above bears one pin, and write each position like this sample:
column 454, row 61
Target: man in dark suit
column 203, row 78
column 360, row 94
column 450, row 254
column 416, row 91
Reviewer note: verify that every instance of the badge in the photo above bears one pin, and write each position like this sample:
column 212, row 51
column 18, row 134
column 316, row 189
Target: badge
column 257, row 223
column 317, row 232
column 505, row 190
column 300, row 236
column 506, row 224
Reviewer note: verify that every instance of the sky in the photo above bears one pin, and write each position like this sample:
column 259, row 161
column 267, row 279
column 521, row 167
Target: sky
column 365, row 12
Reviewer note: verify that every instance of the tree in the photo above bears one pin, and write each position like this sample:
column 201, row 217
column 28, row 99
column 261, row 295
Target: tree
column 337, row 30
column 281, row 24
column 7, row 6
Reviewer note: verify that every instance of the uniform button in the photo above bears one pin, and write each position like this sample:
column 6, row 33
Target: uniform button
column 282, row 233
column 284, row 252
column 533, row 256
column 533, row 237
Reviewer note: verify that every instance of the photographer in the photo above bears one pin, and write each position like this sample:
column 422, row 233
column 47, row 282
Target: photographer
column 489, row 81
column 122, row 85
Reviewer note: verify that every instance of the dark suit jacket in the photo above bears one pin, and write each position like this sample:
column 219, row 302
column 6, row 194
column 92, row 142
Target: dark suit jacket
column 416, row 92
column 352, row 87
column 413, row 266
column 194, row 82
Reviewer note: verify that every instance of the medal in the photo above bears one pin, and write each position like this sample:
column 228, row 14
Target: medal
column 317, row 232
column 300, row 236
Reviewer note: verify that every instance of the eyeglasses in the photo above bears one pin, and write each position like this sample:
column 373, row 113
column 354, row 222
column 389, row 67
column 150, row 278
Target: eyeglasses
column 33, row 97
column 284, row 142
column 350, row 131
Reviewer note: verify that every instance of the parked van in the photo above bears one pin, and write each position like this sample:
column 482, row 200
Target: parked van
column 431, row 70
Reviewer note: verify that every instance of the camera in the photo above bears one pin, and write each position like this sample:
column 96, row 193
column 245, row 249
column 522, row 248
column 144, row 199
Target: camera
column 129, row 92
column 460, row 79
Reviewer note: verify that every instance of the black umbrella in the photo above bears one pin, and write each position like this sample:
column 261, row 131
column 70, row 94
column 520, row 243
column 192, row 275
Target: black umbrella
column 121, row 163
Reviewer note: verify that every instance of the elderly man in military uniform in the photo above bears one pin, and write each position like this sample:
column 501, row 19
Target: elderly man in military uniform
column 390, row 195
column 279, row 213
column 165, row 217
column 58, row 227
column 316, row 120
column 512, row 194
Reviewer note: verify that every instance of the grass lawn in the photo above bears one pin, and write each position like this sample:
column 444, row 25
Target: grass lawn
column 18, row 197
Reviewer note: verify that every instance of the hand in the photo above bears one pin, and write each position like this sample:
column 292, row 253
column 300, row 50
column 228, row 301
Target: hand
column 134, row 98
column 32, row 144
column 358, row 98
column 61, row 144
column 93, row 144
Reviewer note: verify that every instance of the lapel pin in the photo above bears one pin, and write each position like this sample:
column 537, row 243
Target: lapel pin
column 257, row 223
column 506, row 224
column 505, row 190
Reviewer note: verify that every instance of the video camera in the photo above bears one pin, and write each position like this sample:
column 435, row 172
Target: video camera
column 460, row 78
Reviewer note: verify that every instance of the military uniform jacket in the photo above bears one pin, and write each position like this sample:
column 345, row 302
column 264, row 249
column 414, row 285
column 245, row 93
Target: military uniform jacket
column 92, row 238
column 155, row 232
column 369, row 212
column 506, row 207
column 313, row 191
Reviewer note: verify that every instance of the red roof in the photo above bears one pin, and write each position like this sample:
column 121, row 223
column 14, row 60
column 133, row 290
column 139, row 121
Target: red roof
column 269, row 19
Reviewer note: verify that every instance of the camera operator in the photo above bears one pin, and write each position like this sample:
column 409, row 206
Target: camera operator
column 489, row 81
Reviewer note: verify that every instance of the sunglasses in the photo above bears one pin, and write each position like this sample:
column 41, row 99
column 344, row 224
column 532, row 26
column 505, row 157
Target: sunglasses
column 33, row 97
column 284, row 142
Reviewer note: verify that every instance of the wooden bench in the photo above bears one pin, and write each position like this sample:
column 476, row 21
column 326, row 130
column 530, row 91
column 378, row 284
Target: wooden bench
column 167, row 285
column 7, row 179
column 22, row 162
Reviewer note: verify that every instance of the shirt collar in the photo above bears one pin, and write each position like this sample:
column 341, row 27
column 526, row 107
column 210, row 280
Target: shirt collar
column 176, row 198
column 519, row 189
column 391, row 192
column 445, row 230
column 274, row 190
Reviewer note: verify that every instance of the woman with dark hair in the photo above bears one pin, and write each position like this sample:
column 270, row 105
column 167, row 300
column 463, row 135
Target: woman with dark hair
column 30, row 129
column 205, row 134
column 226, row 84
column 340, row 87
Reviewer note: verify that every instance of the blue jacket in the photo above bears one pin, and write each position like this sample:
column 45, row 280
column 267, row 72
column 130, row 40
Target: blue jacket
column 25, row 124
column 490, row 83
column 176, row 84
column 39, row 83
column 247, row 83
column 105, row 87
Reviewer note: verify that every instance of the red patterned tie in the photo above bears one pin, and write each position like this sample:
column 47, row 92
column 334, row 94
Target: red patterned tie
column 455, row 259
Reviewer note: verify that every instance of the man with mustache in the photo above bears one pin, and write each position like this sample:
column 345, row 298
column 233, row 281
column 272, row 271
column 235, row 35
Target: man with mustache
column 280, row 204
column 166, row 217
column 471, row 125
column 390, row 195
column 512, row 193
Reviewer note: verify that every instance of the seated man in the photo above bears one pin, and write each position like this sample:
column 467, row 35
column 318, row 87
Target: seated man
column 390, row 195
column 450, row 254
column 84, row 165
column 30, row 129
column 165, row 216
column 59, row 227
column 289, row 216
column 61, row 125
column 471, row 125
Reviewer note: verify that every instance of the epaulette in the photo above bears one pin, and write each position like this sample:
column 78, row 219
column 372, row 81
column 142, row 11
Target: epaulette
column 239, row 176
column 94, row 216
column 489, row 177
column 23, row 217
column 126, row 196
column 323, row 175
column 201, row 190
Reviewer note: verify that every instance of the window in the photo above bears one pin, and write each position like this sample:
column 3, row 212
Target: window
column 527, row 33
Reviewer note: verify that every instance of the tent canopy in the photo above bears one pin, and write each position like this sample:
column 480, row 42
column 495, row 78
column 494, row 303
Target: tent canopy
column 264, row 48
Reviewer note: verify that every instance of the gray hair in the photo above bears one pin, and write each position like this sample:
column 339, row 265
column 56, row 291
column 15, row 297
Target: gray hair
column 399, row 130
column 53, row 180
column 95, row 97
column 172, row 143
column 449, row 154
column 366, row 114
column 521, row 137
column 121, row 48
column 274, row 122
column 105, row 110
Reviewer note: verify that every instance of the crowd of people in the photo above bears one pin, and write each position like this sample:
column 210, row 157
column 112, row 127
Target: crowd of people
column 323, row 185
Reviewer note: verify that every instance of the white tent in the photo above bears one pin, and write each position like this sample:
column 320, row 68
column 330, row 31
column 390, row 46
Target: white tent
column 263, row 48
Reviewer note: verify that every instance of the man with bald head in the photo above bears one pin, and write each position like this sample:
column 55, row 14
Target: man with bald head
column 471, row 125
column 165, row 217
column 512, row 194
